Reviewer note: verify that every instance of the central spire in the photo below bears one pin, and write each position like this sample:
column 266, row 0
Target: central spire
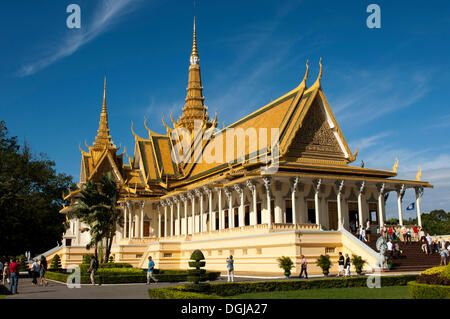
column 103, row 138
column 194, row 108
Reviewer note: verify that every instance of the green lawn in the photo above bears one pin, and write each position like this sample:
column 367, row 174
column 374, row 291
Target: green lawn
column 2, row 297
column 392, row 292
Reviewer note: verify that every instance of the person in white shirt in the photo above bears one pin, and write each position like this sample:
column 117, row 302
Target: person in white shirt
column 35, row 268
column 390, row 247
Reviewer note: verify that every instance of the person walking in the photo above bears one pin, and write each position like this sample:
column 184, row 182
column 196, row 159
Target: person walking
column 341, row 262
column 14, row 276
column 230, row 268
column 5, row 273
column 415, row 233
column 444, row 257
column 347, row 266
column 42, row 271
column 35, row 271
column 408, row 236
column 93, row 269
column 151, row 268
column 303, row 265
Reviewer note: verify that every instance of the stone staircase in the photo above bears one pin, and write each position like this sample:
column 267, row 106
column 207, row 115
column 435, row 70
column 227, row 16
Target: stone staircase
column 412, row 257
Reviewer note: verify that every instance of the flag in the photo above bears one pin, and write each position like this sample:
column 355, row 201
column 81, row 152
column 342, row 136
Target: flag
column 411, row 206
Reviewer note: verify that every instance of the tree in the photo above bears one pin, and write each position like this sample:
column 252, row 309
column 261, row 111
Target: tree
column 56, row 262
column 197, row 263
column 96, row 206
column 30, row 199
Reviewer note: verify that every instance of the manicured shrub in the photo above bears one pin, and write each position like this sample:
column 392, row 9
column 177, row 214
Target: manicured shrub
column 177, row 293
column 435, row 276
column 56, row 262
column 426, row 291
column 195, row 274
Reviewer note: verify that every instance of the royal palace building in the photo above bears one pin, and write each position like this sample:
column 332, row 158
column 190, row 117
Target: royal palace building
column 278, row 182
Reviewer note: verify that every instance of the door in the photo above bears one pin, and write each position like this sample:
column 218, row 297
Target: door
column 332, row 215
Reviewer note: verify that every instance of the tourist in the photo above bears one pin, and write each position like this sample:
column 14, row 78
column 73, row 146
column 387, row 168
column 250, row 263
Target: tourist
column 421, row 232
column 14, row 276
column 93, row 269
column 408, row 235
column 424, row 243
column 403, row 234
column 151, row 268
column 390, row 233
column 444, row 256
column 397, row 250
column 363, row 234
column 341, row 262
column 230, row 268
column 347, row 266
column 5, row 273
column 442, row 242
column 429, row 243
column 35, row 272
column 303, row 266
column 390, row 248
column 368, row 228
column 415, row 233
column 1, row 268
column 42, row 271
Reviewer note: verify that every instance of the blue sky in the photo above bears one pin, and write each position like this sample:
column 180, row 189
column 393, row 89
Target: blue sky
column 388, row 87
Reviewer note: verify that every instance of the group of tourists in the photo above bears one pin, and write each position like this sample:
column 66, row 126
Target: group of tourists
column 9, row 271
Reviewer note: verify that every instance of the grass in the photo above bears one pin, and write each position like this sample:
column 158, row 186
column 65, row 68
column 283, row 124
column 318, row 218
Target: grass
column 2, row 297
column 392, row 292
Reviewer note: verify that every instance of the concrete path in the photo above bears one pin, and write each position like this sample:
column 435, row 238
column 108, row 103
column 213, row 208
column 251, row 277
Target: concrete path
column 57, row 290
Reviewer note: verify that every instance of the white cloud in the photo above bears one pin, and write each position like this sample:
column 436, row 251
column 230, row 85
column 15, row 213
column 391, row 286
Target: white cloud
column 106, row 15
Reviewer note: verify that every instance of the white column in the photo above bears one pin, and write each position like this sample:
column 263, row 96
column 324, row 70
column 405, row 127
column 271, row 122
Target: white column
column 294, row 202
column 419, row 193
column 269, row 208
column 141, row 230
column 360, row 204
column 219, row 205
column 165, row 204
column 124, row 206
column 254, row 212
column 400, row 194
column 159, row 221
column 177, row 224
column 339, row 204
column 185, row 224
column 192, row 198
column 212, row 215
column 316, row 200
column 199, row 194
column 171, row 217
column 130, row 221
column 240, row 192
column 381, row 205
column 229, row 195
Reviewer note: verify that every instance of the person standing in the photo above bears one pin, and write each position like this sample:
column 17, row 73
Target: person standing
column 444, row 256
column 14, row 275
column 408, row 235
column 341, row 262
column 5, row 273
column 347, row 266
column 35, row 272
column 1, row 268
column 42, row 271
column 230, row 268
column 93, row 269
column 303, row 265
column 151, row 268
column 415, row 233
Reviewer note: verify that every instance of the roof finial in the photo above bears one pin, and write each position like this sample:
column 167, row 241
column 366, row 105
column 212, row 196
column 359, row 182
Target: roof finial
column 319, row 77
column 194, row 55
column 104, row 97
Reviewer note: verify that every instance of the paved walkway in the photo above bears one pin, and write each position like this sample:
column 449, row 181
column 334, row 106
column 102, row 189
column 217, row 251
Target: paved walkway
column 57, row 290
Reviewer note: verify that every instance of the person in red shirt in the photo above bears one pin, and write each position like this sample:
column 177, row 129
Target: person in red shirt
column 14, row 275
column 415, row 232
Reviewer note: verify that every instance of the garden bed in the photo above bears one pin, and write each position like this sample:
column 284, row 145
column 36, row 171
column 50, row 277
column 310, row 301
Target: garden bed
column 223, row 290
column 433, row 283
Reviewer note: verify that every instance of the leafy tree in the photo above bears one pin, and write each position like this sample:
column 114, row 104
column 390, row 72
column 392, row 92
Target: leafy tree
column 30, row 199
column 56, row 262
column 96, row 206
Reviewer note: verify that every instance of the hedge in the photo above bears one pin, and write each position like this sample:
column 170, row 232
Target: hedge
column 127, row 275
column 231, row 289
column 435, row 276
column 177, row 292
column 426, row 291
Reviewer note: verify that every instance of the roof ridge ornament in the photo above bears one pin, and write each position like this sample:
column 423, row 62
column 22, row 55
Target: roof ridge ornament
column 305, row 77
column 317, row 84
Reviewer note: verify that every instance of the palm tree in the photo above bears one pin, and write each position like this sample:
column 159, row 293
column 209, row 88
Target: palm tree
column 97, row 207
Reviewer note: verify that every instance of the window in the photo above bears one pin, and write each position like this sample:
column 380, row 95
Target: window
column 247, row 215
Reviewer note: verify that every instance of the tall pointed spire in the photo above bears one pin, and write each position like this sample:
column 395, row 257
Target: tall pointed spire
column 103, row 138
column 194, row 109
